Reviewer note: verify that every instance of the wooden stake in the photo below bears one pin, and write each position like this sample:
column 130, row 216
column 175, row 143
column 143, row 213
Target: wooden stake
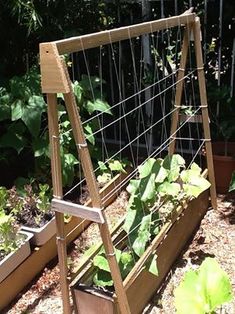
column 179, row 87
column 58, row 193
column 87, row 167
column 205, row 116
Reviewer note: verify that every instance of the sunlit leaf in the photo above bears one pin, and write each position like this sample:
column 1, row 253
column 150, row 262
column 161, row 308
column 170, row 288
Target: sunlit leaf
column 116, row 165
column 202, row 291
column 147, row 188
column 101, row 262
column 232, row 183
column 152, row 265
column 143, row 235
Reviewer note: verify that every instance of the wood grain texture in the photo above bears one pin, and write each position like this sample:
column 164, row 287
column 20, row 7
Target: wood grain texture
column 85, row 212
column 53, row 77
column 205, row 116
column 106, row 37
column 179, row 87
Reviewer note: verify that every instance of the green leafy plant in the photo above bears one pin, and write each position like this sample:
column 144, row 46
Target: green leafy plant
column 102, row 275
column 232, row 183
column 161, row 185
column 112, row 167
column 10, row 239
column 28, row 207
column 203, row 290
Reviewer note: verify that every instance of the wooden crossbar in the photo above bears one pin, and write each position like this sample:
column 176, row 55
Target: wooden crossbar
column 85, row 212
column 93, row 40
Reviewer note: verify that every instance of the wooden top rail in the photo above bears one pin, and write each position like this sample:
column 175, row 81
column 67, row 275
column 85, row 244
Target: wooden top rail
column 93, row 40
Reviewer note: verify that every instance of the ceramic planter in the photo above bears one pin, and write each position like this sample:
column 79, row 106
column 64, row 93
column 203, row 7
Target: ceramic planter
column 43, row 234
column 140, row 285
column 14, row 259
column 223, row 165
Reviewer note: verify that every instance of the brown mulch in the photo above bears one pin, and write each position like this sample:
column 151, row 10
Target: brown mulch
column 215, row 237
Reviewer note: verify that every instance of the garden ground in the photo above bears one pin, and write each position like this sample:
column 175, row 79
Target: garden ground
column 215, row 238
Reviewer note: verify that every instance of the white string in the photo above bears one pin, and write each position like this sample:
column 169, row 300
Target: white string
column 171, row 137
column 120, row 97
column 161, row 147
column 141, row 105
column 128, row 98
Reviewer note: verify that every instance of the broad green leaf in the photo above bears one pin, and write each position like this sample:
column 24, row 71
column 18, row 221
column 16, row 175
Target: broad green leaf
column 189, row 297
column 146, row 169
column 191, row 190
column 101, row 262
column 134, row 214
column 13, row 140
column 126, row 258
column 90, row 82
column 215, row 282
column 68, row 162
column 16, row 110
column 5, row 108
column 40, row 147
column 98, row 105
column 78, row 90
column 201, row 182
column 173, row 164
column 147, row 188
column 126, row 263
column 115, row 165
column 162, row 175
column 167, row 188
column 232, row 183
column 202, row 291
column 103, row 279
column 196, row 168
column 102, row 166
column 32, row 114
column 143, row 235
column 89, row 134
column 152, row 265
column 133, row 186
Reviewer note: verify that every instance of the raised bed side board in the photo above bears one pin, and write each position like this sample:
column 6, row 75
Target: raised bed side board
column 88, row 300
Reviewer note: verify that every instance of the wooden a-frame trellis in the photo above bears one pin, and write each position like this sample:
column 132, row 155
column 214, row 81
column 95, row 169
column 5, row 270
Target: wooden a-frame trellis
column 55, row 79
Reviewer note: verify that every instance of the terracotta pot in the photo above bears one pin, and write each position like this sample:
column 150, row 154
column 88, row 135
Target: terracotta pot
column 223, row 165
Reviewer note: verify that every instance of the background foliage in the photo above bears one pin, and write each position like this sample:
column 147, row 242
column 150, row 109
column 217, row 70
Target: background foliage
column 26, row 23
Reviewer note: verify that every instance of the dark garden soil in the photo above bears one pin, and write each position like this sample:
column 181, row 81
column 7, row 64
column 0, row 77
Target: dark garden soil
column 215, row 237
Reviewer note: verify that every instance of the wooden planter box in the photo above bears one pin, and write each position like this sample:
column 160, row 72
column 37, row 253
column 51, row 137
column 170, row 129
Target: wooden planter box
column 14, row 259
column 15, row 281
column 141, row 286
column 43, row 234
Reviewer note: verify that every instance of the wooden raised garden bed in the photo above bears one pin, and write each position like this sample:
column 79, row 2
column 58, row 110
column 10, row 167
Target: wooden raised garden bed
column 40, row 256
column 140, row 284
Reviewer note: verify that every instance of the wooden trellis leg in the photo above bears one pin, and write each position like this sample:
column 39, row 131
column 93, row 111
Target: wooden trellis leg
column 179, row 88
column 83, row 151
column 204, row 105
column 58, row 193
